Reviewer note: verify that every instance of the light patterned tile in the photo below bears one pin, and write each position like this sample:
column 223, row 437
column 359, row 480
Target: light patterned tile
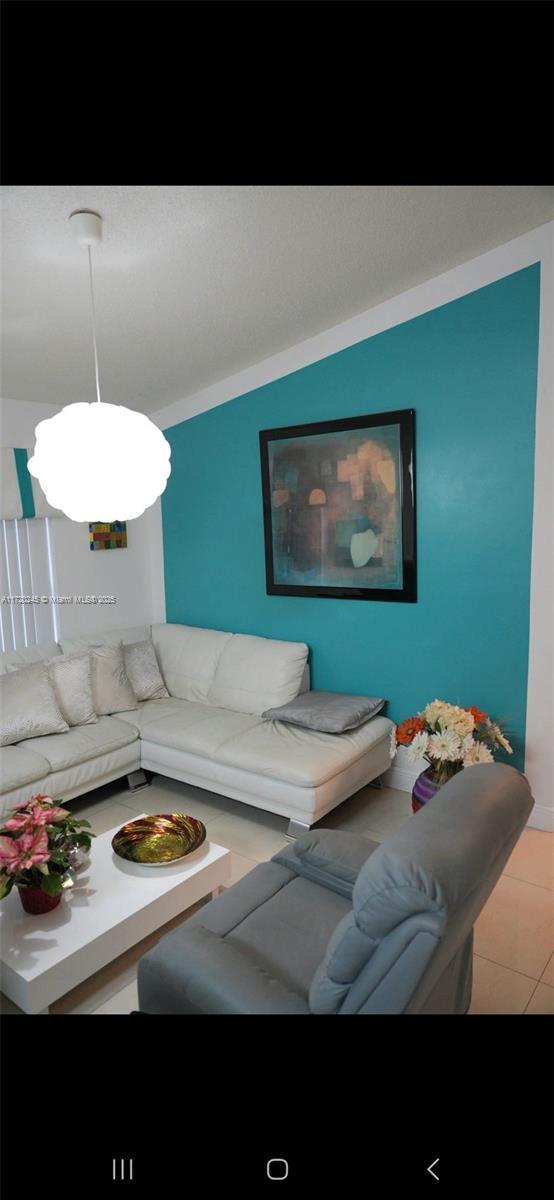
column 250, row 839
column 497, row 989
column 259, row 816
column 7, row 1006
column 154, row 800
column 103, row 815
column 542, row 1001
column 532, row 859
column 121, row 1003
column 380, row 810
column 516, row 926
column 548, row 973
column 240, row 866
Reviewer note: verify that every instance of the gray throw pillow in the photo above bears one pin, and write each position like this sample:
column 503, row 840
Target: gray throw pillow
column 70, row 675
column 141, row 665
column 28, row 706
column 111, row 690
column 327, row 712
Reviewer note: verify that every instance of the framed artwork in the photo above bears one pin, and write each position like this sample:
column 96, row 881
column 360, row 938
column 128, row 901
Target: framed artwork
column 108, row 536
column 339, row 508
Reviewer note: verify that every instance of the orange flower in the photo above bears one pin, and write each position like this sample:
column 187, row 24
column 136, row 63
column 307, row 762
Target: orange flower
column 406, row 732
column 478, row 715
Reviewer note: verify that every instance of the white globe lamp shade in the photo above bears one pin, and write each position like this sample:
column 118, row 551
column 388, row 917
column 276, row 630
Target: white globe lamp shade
column 100, row 462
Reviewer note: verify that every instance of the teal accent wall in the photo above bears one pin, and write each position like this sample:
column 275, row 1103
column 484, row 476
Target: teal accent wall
column 25, row 485
column 469, row 369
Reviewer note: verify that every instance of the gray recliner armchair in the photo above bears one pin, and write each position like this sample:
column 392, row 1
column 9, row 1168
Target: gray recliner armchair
column 336, row 923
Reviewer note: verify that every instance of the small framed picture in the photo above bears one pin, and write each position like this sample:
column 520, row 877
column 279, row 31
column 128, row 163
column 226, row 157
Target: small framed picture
column 339, row 508
column 107, row 536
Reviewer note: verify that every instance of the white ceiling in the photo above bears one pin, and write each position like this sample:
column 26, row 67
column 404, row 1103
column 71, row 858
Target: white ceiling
column 195, row 283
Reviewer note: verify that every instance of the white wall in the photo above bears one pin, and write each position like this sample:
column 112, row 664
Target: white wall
column 134, row 576
column 532, row 247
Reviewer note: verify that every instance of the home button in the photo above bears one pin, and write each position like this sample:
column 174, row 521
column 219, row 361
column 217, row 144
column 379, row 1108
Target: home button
column 277, row 1168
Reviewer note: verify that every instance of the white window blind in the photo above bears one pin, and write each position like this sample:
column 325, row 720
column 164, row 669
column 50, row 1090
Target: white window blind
column 28, row 614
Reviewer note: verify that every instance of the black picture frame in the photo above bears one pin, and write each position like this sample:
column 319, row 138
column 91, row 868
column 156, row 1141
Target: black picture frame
column 404, row 590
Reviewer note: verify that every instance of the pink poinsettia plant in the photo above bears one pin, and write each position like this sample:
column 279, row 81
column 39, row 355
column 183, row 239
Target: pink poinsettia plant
column 35, row 845
column 450, row 738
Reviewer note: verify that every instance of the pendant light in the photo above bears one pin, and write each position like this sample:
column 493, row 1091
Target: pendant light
column 99, row 462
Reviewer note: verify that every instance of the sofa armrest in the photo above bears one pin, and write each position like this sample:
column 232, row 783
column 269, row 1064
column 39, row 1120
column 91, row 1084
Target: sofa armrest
column 331, row 857
column 204, row 973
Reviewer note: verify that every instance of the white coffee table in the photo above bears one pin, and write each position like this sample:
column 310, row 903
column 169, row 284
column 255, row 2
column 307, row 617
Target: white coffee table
column 112, row 906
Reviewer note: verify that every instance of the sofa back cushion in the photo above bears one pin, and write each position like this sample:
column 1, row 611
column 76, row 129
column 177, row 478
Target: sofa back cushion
column 188, row 659
column 111, row 637
column 255, row 673
column 13, row 659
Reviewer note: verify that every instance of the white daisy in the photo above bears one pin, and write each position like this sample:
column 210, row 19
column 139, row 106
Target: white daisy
column 501, row 740
column 393, row 746
column 458, row 720
column 478, row 753
column 418, row 746
column 446, row 746
column 434, row 710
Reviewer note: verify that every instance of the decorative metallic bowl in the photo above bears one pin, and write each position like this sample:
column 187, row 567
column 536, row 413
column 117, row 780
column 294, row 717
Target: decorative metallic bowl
column 159, row 841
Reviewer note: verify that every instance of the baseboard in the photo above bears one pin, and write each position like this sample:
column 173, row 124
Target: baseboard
column 542, row 817
column 401, row 778
column 403, row 774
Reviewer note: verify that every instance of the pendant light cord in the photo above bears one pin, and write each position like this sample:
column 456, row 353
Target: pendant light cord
column 93, row 326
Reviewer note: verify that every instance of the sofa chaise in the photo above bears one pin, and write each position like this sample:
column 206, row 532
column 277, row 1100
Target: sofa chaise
column 208, row 731
column 336, row 923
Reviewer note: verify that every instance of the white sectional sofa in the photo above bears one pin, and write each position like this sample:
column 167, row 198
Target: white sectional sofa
column 208, row 732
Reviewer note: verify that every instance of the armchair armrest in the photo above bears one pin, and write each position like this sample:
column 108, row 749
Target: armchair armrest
column 200, row 972
column 331, row 857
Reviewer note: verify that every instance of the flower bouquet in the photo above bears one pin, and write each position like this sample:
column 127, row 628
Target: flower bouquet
column 450, row 739
column 37, row 848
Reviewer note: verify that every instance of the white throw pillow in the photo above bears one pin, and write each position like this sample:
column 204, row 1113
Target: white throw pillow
column 28, row 706
column 71, row 678
column 111, row 689
column 143, row 671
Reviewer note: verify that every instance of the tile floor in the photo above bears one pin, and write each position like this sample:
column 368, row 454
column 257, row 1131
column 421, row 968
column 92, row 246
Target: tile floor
column 514, row 936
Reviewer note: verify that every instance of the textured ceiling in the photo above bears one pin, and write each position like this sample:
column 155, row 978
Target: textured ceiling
column 195, row 283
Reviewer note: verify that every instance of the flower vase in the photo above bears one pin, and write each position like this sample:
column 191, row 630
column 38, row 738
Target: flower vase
column 425, row 787
column 35, row 901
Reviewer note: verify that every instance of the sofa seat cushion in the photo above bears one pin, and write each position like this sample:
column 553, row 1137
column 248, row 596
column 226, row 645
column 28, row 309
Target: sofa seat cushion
column 271, row 748
column 299, row 756
column 289, row 934
column 148, row 711
column 198, row 728
column 283, row 923
column 83, row 742
column 19, row 765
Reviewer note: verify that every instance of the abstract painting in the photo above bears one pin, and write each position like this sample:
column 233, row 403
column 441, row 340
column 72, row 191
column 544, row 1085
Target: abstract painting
column 104, row 536
column 339, row 508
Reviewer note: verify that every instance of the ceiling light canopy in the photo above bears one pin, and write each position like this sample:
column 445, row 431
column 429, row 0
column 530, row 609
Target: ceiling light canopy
column 99, row 462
